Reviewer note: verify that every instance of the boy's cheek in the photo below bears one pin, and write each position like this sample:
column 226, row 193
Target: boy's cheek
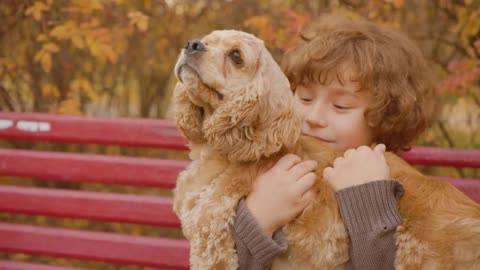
column 300, row 110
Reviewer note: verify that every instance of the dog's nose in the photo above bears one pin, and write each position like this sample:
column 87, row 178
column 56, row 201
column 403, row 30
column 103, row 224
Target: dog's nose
column 194, row 46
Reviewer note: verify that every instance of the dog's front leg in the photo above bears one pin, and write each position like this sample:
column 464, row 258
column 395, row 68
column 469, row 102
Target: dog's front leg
column 212, row 245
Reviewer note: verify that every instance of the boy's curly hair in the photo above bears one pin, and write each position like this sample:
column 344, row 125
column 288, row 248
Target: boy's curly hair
column 387, row 63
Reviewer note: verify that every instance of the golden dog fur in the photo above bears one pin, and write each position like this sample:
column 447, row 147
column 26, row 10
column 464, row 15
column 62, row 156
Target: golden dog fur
column 238, row 117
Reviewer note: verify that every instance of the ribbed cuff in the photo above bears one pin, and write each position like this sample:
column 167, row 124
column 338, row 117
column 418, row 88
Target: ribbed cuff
column 261, row 246
column 371, row 206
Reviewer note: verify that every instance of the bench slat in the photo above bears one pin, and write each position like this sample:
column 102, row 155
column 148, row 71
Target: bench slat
column 107, row 169
column 12, row 265
column 162, row 133
column 137, row 132
column 103, row 206
column 98, row 246
column 435, row 156
column 90, row 168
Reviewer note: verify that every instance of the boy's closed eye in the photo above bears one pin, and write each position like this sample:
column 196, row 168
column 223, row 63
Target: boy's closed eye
column 340, row 107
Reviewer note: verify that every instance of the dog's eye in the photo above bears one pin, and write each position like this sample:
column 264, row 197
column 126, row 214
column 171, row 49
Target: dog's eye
column 236, row 57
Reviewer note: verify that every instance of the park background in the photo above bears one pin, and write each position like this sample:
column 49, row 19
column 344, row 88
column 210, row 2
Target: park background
column 114, row 58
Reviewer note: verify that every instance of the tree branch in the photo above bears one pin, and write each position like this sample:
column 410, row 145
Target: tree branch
column 7, row 98
column 446, row 135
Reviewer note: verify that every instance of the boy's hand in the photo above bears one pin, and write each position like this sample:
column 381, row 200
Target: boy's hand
column 280, row 193
column 358, row 166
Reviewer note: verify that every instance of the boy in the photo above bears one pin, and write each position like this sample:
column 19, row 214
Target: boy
column 355, row 84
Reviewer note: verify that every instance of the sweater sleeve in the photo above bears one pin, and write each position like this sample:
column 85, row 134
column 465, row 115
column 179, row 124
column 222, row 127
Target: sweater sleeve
column 371, row 214
column 255, row 248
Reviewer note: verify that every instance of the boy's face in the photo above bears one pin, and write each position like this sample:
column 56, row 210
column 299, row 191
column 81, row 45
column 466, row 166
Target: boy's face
column 334, row 113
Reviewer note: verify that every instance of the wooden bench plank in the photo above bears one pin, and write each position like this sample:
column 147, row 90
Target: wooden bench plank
column 435, row 156
column 12, row 265
column 137, row 132
column 162, row 133
column 98, row 246
column 102, row 206
column 73, row 167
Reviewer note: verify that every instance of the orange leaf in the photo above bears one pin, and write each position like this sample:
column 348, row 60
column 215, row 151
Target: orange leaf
column 111, row 55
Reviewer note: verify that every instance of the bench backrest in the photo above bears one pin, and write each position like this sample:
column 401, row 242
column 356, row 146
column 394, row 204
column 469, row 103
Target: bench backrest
column 161, row 252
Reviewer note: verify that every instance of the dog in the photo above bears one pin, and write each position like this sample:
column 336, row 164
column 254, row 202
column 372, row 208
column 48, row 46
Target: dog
column 234, row 106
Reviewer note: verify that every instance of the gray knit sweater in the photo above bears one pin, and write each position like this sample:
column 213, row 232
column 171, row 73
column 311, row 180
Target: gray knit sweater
column 370, row 213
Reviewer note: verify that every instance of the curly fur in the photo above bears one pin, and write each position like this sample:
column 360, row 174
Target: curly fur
column 238, row 119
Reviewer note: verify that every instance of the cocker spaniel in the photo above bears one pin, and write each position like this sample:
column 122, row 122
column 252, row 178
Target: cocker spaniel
column 235, row 107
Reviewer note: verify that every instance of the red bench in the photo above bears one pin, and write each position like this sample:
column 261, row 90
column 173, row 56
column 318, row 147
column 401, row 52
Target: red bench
column 160, row 252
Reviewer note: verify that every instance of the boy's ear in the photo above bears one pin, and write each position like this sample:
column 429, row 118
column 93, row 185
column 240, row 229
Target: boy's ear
column 258, row 120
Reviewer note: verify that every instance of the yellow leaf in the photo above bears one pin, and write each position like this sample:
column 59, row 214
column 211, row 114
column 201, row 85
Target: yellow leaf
column 138, row 19
column 38, row 56
column 142, row 25
column 88, row 89
column 78, row 42
column 50, row 47
column 69, row 106
column 99, row 32
column 46, row 62
column 89, row 40
column 36, row 10
column 64, row 31
column 84, row 85
column 50, row 90
column 42, row 38
column 95, row 48
column 88, row 6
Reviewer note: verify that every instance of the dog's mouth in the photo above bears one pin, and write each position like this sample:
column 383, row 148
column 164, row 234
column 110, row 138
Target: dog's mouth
column 178, row 73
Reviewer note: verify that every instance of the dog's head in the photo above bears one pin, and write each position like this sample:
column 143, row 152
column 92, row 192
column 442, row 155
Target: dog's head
column 232, row 96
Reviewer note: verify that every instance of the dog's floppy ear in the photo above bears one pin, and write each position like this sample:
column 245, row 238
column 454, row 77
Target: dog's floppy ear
column 258, row 120
column 188, row 116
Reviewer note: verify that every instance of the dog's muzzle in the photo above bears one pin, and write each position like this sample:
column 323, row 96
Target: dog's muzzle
column 191, row 47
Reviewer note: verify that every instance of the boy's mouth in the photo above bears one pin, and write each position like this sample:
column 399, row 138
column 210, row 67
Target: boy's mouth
column 320, row 138
column 323, row 140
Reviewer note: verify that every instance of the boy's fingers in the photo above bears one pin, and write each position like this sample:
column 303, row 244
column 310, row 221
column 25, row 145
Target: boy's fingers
column 337, row 161
column 327, row 172
column 308, row 196
column 380, row 149
column 287, row 162
column 306, row 182
column 303, row 168
column 349, row 152
column 364, row 148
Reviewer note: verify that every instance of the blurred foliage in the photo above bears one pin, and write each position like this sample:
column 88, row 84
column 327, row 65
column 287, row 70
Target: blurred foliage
column 115, row 58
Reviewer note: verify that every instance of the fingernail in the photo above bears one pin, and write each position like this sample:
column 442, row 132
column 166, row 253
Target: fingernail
column 382, row 147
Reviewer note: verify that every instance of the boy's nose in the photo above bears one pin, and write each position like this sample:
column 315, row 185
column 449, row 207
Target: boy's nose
column 316, row 117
